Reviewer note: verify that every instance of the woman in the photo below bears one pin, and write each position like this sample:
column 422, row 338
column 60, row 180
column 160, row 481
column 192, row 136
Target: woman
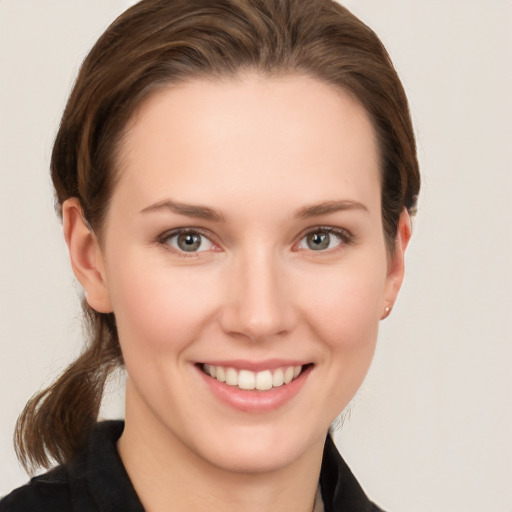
column 235, row 180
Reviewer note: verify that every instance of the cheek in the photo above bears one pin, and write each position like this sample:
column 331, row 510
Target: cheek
column 158, row 310
column 344, row 311
column 349, row 328
column 344, row 304
column 347, row 324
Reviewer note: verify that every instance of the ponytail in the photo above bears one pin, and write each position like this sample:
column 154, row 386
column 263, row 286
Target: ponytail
column 57, row 421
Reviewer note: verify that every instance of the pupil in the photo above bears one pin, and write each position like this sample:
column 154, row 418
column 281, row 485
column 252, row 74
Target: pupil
column 189, row 242
column 318, row 241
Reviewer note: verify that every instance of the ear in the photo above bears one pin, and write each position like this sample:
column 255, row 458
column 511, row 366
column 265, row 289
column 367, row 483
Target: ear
column 86, row 256
column 396, row 264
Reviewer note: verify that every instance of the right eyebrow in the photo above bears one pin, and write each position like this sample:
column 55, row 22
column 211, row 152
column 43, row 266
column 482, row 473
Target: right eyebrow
column 329, row 207
column 188, row 210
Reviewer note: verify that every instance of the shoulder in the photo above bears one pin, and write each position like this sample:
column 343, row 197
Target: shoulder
column 94, row 479
column 48, row 492
column 340, row 489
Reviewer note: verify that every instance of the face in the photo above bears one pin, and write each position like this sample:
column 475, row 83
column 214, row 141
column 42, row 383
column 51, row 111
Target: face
column 244, row 259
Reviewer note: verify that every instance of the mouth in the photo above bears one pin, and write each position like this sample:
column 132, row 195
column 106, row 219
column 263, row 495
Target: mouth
column 248, row 380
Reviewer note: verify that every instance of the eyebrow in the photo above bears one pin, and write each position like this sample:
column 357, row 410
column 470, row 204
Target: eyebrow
column 327, row 207
column 207, row 213
column 189, row 210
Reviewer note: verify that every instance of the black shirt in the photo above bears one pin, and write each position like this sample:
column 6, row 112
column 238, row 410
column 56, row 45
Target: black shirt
column 96, row 481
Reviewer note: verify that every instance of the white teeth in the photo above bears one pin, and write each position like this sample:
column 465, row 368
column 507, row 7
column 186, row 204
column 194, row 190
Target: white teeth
column 263, row 380
column 278, row 378
column 231, row 377
column 220, row 374
column 248, row 380
column 288, row 375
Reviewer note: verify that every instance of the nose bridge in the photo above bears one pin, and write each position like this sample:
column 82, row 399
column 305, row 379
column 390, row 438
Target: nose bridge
column 258, row 304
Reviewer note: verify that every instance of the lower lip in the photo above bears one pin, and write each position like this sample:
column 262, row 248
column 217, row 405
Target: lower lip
column 256, row 401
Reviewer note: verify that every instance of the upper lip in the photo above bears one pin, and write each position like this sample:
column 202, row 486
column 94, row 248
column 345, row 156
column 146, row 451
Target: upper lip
column 256, row 366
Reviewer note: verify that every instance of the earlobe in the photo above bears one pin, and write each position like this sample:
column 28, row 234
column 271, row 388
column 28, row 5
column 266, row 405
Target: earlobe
column 396, row 266
column 86, row 256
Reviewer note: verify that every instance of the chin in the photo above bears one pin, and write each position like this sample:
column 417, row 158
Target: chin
column 251, row 451
column 254, row 462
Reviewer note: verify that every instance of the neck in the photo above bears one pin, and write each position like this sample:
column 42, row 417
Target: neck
column 165, row 471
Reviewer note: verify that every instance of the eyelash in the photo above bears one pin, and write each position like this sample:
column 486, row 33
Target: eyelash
column 164, row 240
column 345, row 237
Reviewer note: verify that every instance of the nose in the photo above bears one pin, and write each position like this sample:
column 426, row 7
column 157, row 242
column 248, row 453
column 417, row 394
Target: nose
column 258, row 302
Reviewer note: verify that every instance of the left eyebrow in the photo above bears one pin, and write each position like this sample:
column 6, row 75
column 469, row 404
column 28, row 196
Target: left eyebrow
column 188, row 210
column 328, row 207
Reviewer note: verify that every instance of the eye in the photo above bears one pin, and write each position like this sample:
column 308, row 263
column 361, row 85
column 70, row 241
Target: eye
column 323, row 239
column 189, row 241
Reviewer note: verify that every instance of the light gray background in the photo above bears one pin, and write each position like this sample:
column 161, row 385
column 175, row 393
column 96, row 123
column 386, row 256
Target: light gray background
column 431, row 429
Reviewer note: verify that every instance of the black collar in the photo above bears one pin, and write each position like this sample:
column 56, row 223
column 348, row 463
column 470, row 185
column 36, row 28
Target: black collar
column 340, row 489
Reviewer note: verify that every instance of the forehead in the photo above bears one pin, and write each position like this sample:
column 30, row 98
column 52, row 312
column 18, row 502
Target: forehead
column 247, row 135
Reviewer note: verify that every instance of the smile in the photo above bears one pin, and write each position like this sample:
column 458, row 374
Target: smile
column 249, row 380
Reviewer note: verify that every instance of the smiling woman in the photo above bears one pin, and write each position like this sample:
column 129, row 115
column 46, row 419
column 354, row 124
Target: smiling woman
column 236, row 180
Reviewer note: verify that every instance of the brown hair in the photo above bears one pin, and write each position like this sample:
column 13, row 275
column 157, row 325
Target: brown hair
column 160, row 42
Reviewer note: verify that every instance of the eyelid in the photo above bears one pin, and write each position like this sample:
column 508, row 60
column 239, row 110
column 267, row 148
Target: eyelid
column 163, row 240
column 346, row 237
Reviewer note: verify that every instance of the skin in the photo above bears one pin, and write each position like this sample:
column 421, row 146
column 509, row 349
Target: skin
column 259, row 152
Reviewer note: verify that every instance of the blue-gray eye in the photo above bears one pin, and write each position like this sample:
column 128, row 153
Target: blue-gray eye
column 190, row 241
column 321, row 240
